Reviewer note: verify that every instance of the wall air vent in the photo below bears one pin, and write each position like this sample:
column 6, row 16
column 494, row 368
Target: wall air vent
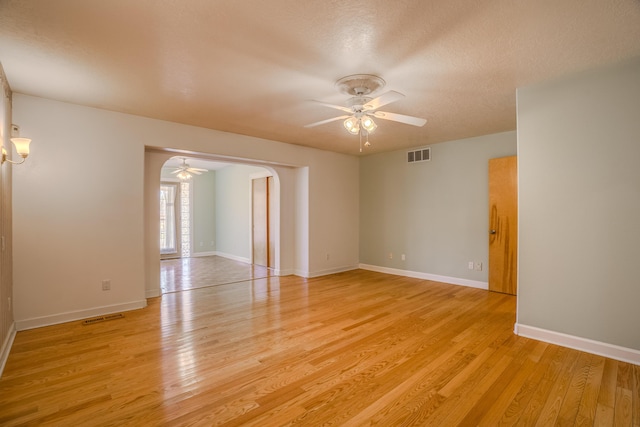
column 419, row 155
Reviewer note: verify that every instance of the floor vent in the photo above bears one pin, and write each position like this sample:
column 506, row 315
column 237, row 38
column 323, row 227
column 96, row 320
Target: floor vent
column 420, row 155
column 103, row 318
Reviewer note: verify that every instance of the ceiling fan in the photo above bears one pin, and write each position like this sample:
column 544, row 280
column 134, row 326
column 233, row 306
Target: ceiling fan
column 361, row 108
column 184, row 171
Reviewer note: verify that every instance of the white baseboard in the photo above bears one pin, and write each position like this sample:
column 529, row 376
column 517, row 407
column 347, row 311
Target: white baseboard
column 233, row 257
column 199, row 254
column 70, row 316
column 152, row 293
column 6, row 347
column 611, row 351
column 328, row 271
column 427, row 276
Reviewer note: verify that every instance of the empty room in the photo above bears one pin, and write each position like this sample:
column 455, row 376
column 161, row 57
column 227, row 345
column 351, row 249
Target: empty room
column 252, row 213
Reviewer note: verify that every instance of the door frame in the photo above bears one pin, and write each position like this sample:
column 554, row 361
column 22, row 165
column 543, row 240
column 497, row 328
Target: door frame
column 271, row 229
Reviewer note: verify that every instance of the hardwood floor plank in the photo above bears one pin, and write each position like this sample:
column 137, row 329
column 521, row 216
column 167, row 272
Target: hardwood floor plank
column 556, row 395
column 556, row 357
column 589, row 402
column 355, row 348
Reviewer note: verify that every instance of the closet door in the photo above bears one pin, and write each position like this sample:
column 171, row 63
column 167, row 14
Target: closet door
column 503, row 225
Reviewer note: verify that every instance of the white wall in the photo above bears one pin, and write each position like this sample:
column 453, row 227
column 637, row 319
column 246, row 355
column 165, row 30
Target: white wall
column 435, row 212
column 78, row 214
column 233, row 210
column 579, row 179
column 86, row 206
column 204, row 218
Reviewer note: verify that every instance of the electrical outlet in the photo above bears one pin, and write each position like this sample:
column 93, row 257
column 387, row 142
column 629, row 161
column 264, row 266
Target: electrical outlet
column 390, row 255
column 403, row 257
column 478, row 266
column 106, row 285
column 327, row 256
column 470, row 265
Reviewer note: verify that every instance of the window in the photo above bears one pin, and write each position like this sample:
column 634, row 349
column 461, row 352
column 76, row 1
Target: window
column 175, row 219
column 168, row 244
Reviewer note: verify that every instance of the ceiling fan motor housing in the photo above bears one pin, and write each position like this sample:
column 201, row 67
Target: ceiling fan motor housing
column 360, row 84
column 357, row 103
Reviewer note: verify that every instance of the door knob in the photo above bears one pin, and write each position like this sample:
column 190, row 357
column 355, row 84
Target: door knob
column 492, row 231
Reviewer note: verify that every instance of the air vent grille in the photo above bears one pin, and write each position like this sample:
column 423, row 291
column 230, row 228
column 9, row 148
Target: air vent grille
column 419, row 155
column 102, row 318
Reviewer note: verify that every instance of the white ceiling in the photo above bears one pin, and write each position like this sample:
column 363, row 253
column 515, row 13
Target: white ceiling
column 250, row 66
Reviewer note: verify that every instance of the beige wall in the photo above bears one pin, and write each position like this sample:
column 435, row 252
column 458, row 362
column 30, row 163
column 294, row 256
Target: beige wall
column 87, row 206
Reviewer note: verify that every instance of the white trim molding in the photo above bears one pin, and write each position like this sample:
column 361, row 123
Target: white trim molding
column 233, row 257
column 611, row 351
column 152, row 293
column 6, row 346
column 201, row 254
column 71, row 316
column 327, row 271
column 427, row 276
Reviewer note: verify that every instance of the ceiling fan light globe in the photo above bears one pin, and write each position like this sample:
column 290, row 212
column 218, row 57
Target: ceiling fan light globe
column 350, row 123
column 184, row 175
column 368, row 124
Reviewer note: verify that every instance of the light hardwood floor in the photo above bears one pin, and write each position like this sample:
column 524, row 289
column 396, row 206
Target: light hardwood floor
column 355, row 348
column 179, row 274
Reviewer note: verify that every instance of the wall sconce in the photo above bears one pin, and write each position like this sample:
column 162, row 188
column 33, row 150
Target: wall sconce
column 21, row 144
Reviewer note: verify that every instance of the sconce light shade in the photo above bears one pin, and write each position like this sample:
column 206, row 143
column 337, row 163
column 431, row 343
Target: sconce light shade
column 22, row 146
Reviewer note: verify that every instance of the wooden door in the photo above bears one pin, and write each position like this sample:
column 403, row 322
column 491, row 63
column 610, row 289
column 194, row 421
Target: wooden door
column 503, row 225
column 262, row 247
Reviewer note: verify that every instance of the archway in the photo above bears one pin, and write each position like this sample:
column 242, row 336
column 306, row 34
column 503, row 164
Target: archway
column 154, row 160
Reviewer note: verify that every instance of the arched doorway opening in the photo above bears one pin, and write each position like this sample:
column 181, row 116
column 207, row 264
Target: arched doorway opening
column 230, row 230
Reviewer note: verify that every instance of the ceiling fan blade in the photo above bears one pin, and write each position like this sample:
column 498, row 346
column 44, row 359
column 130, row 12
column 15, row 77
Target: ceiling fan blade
column 384, row 99
column 191, row 170
column 409, row 120
column 198, row 169
column 175, row 171
column 333, row 119
column 337, row 107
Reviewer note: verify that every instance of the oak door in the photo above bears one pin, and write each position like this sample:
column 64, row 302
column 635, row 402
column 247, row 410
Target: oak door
column 503, row 224
column 263, row 247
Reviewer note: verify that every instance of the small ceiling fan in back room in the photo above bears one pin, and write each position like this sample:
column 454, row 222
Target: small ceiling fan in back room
column 184, row 171
column 361, row 108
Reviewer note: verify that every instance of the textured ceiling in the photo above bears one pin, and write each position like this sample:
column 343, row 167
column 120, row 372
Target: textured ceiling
column 251, row 66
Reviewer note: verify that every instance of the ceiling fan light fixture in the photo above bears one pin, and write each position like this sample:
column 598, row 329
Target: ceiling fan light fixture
column 352, row 124
column 184, row 175
column 368, row 124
